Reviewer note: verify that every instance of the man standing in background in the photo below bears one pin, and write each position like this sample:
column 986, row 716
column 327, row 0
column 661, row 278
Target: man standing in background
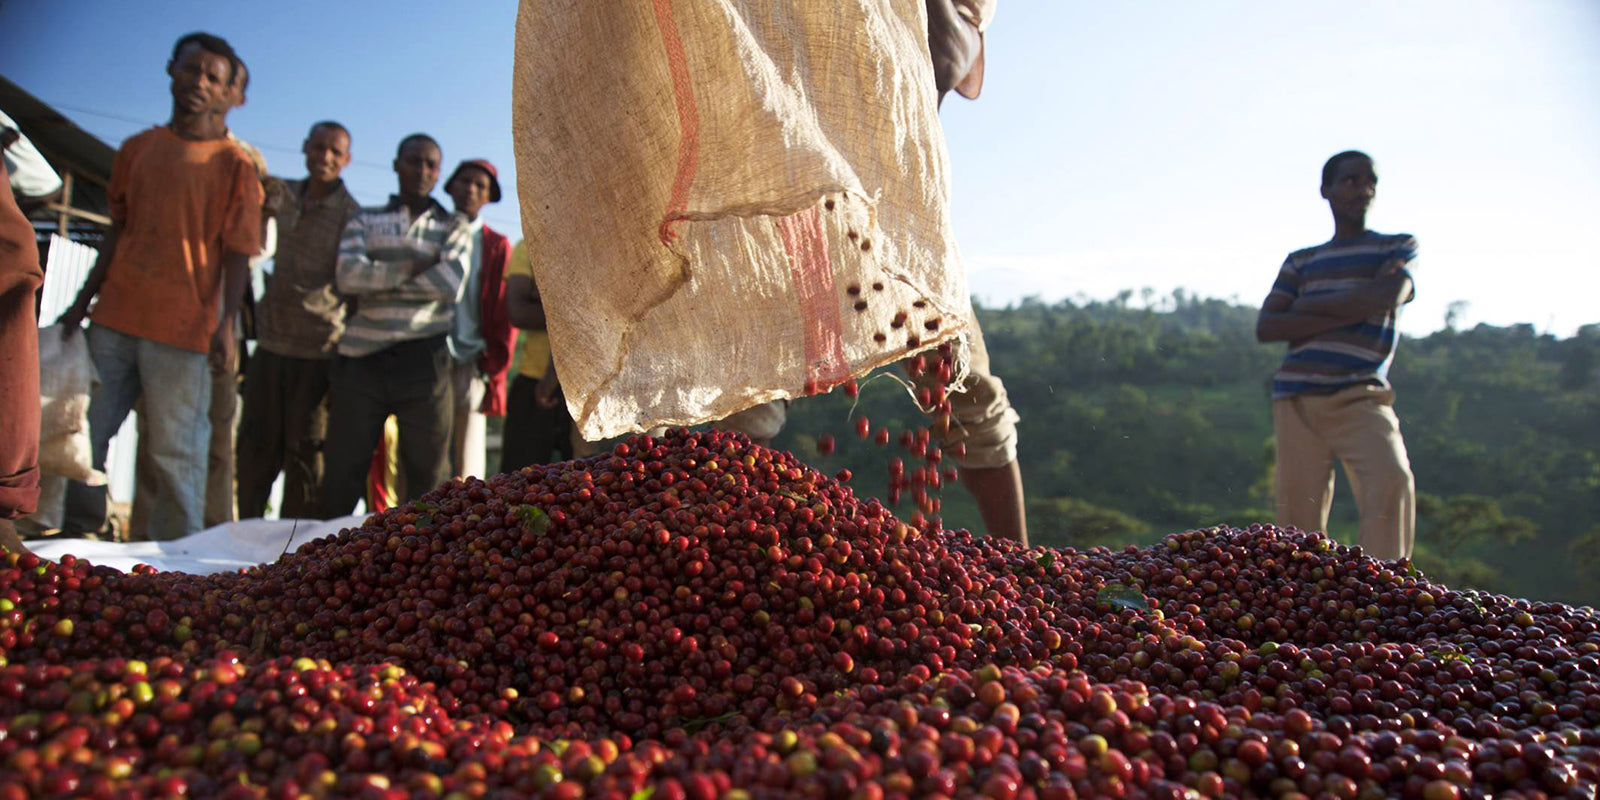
column 984, row 423
column 405, row 265
column 480, row 342
column 298, row 323
column 539, row 429
column 186, row 217
column 224, row 409
column 1337, row 305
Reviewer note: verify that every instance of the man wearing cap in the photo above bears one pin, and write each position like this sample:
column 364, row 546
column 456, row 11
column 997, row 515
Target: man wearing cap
column 404, row 266
column 481, row 340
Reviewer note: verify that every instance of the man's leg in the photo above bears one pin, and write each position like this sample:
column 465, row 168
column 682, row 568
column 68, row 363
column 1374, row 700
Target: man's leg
column 983, row 420
column 355, row 425
column 384, row 482
column 475, row 448
column 1303, row 476
column 468, row 428
column 761, row 422
column 305, row 430
column 524, row 441
column 1366, row 435
column 147, row 488
column 261, row 448
column 423, row 404
column 115, row 357
column 563, row 432
column 224, row 413
column 179, row 424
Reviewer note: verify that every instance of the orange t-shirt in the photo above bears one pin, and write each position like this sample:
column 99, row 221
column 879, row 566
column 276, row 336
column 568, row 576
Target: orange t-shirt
column 182, row 204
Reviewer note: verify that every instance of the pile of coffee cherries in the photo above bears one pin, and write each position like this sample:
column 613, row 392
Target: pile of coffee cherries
column 694, row 616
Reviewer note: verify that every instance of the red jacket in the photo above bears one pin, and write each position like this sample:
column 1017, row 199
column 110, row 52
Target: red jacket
column 498, row 335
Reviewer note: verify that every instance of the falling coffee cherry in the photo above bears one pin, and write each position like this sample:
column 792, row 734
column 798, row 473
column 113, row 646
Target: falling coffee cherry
column 825, row 444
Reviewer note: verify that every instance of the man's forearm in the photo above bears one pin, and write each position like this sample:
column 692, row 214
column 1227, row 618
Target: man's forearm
column 235, row 277
column 525, row 315
column 1293, row 326
column 97, row 274
column 1392, row 291
column 523, row 305
column 1354, row 305
column 440, row 281
column 33, row 203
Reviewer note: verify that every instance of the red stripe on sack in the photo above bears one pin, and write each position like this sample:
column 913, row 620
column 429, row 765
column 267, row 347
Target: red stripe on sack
column 811, row 271
column 688, row 118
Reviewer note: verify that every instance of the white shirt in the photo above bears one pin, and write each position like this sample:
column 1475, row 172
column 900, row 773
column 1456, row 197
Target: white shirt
column 466, row 336
column 31, row 175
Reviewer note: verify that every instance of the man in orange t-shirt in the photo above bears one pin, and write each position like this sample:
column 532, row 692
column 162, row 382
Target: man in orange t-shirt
column 186, row 217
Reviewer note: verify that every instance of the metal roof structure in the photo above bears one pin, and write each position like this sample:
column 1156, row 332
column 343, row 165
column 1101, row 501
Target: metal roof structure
column 83, row 161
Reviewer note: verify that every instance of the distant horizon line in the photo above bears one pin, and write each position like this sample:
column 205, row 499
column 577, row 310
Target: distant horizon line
column 1084, row 299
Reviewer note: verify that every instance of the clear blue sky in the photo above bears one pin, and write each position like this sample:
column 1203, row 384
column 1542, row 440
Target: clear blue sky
column 1116, row 146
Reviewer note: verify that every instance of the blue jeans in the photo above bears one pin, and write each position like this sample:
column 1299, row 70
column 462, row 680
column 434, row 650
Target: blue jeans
column 178, row 429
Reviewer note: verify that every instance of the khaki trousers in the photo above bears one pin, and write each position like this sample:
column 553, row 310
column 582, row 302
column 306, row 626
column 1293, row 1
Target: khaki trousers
column 1358, row 426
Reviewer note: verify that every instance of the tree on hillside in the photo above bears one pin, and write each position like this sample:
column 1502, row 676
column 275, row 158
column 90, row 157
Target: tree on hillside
column 1452, row 532
column 1070, row 522
column 1585, row 554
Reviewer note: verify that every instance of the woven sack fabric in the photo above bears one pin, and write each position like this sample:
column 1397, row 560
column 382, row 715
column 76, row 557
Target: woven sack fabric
column 730, row 202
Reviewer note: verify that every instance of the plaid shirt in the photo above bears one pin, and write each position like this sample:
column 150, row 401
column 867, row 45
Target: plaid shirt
column 378, row 260
column 301, row 314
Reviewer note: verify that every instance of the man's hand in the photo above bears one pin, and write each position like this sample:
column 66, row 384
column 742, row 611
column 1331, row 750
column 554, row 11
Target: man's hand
column 71, row 320
column 422, row 265
column 548, row 392
column 222, row 348
column 273, row 189
column 485, row 405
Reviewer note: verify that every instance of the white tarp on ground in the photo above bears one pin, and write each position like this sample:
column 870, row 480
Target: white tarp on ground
column 225, row 548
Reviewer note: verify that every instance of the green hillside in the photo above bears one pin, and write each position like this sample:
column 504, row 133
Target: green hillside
column 1138, row 422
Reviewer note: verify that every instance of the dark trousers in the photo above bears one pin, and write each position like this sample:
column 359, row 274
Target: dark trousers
column 282, row 429
column 410, row 380
column 533, row 434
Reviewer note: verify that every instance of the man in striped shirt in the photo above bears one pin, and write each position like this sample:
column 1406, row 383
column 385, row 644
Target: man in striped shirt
column 1337, row 304
column 403, row 267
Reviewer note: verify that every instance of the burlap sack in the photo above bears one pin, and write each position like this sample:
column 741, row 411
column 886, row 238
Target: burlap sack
column 729, row 201
column 66, row 377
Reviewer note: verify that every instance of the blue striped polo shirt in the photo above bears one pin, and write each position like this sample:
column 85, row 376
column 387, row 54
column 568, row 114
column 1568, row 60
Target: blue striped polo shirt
column 1357, row 353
